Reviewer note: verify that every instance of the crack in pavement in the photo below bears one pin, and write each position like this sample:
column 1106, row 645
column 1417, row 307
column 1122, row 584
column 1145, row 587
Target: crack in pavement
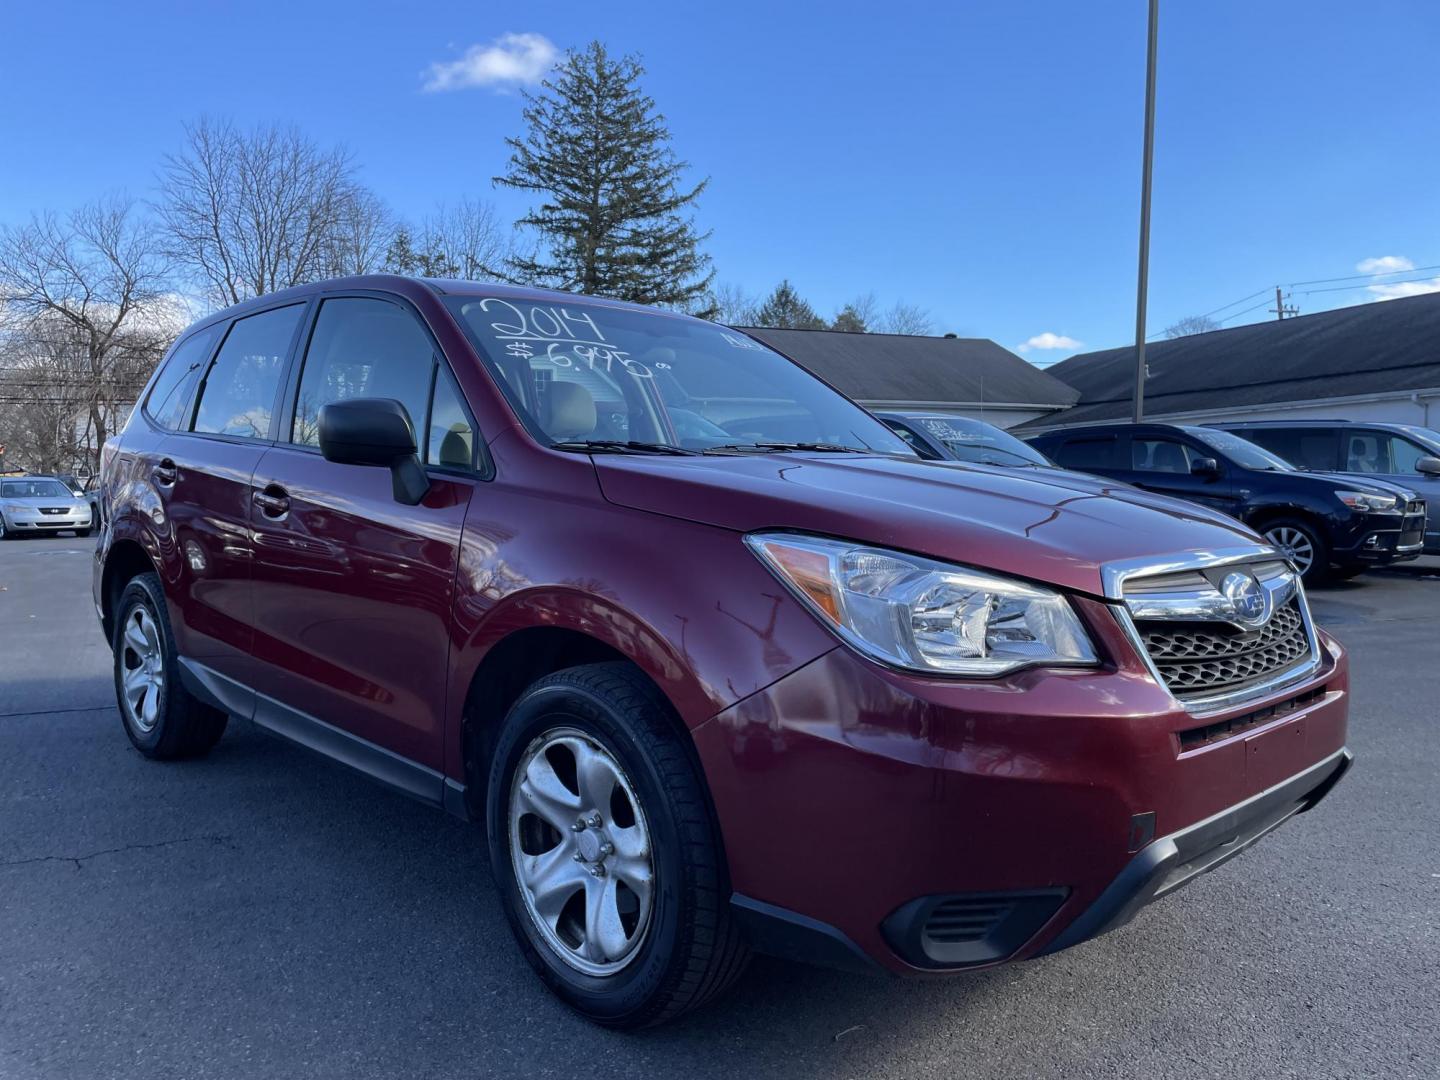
column 78, row 860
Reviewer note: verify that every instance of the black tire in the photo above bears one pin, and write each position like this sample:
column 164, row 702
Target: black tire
column 183, row 726
column 83, row 533
column 1318, row 570
column 691, row 950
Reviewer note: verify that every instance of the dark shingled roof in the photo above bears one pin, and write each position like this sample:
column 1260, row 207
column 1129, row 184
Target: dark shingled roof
column 907, row 368
column 1368, row 349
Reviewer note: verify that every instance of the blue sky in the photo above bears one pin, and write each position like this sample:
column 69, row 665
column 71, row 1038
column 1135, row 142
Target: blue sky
column 980, row 159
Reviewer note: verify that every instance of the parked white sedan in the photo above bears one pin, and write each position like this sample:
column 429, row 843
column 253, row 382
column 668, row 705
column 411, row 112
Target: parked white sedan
column 41, row 504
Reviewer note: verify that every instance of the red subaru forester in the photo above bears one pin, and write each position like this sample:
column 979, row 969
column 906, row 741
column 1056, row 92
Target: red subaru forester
column 718, row 661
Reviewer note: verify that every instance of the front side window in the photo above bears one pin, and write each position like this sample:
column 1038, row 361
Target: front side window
column 363, row 348
column 452, row 435
column 1159, row 456
column 1368, row 452
column 238, row 394
column 169, row 400
column 580, row 373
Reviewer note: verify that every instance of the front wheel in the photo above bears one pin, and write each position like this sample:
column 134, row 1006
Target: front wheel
column 1301, row 543
column 603, row 848
column 161, row 717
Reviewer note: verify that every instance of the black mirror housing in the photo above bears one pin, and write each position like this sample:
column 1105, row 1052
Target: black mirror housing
column 1205, row 466
column 375, row 432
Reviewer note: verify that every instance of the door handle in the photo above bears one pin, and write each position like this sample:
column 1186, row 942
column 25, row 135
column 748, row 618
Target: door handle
column 274, row 501
column 166, row 473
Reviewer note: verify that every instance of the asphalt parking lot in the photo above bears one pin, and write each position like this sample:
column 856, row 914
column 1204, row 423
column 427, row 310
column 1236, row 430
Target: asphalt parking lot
column 260, row 913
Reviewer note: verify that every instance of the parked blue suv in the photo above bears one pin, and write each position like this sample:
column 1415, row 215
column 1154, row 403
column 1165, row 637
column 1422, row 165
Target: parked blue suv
column 1399, row 453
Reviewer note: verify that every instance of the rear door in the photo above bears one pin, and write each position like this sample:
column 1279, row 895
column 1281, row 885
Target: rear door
column 201, row 474
column 352, row 589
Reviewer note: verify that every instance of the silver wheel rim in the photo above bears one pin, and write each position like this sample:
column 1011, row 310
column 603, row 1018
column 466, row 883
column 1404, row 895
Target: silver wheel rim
column 580, row 849
column 1294, row 545
column 142, row 669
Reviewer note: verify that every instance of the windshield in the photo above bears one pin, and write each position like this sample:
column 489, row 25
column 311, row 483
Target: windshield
column 1428, row 439
column 34, row 489
column 975, row 440
column 1242, row 452
column 586, row 375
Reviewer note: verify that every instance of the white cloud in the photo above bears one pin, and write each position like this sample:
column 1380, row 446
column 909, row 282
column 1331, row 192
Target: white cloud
column 1404, row 288
column 1385, row 264
column 510, row 60
column 1048, row 340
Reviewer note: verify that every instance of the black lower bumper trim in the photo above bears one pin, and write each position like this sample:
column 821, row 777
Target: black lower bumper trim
column 777, row 931
column 1172, row 861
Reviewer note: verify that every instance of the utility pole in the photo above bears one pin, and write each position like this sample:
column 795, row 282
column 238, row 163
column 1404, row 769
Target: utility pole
column 1149, row 154
column 1280, row 310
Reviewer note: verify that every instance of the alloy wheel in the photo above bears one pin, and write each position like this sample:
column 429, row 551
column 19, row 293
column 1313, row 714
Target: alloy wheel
column 1295, row 545
column 142, row 663
column 581, row 851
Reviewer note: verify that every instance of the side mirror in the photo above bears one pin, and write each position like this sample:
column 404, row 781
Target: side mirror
column 1205, row 466
column 376, row 432
column 1428, row 466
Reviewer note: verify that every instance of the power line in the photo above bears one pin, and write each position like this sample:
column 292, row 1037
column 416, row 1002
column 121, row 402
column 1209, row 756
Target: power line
column 1363, row 277
column 1352, row 288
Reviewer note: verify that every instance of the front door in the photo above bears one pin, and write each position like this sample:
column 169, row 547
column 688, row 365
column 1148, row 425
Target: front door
column 1388, row 456
column 1166, row 466
column 352, row 590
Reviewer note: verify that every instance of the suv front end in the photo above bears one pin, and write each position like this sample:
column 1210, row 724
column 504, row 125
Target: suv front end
column 882, row 816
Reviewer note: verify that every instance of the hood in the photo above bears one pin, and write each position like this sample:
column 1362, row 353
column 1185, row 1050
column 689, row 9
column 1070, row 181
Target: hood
column 1362, row 482
column 1047, row 525
column 38, row 501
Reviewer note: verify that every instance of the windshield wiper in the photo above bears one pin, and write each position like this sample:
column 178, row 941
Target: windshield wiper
column 620, row 446
column 787, row 447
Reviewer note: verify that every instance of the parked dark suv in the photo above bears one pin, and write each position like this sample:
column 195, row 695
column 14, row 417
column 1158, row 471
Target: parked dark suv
column 1396, row 453
column 1326, row 525
column 718, row 661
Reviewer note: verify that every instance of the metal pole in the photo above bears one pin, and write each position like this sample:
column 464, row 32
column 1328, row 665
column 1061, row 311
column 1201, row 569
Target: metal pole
column 1143, row 287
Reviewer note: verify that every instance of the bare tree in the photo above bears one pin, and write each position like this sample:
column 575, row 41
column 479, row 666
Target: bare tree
column 905, row 319
column 84, row 314
column 459, row 240
column 362, row 235
column 733, row 305
column 248, row 213
column 1191, row 324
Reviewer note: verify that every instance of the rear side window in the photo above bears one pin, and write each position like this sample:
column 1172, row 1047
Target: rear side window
column 169, row 400
column 1087, row 453
column 239, row 391
column 1305, row 448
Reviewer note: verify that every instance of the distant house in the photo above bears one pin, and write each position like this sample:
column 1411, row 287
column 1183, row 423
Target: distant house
column 1377, row 361
column 961, row 376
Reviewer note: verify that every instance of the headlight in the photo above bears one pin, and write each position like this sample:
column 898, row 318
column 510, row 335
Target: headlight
column 924, row 615
column 1370, row 503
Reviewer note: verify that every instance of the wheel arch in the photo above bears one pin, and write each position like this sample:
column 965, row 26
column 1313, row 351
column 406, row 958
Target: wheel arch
column 125, row 560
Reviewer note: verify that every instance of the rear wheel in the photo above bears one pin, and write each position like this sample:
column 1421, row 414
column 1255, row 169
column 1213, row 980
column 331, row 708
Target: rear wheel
column 1302, row 544
column 162, row 718
column 603, row 848
column 4, row 533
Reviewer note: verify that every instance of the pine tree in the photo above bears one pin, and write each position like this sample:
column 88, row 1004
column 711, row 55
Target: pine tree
column 610, row 220
column 849, row 321
column 785, row 310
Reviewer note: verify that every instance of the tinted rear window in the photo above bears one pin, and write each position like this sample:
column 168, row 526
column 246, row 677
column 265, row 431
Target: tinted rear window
column 1305, row 448
column 238, row 396
column 169, row 398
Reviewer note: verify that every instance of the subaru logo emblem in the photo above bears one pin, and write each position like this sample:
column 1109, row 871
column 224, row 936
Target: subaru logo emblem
column 1249, row 600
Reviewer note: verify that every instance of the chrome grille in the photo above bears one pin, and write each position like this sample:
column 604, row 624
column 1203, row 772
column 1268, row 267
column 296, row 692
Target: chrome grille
column 1200, row 641
column 1210, row 657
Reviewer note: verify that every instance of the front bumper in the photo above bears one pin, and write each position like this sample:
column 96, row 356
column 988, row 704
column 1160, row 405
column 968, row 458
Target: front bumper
column 1380, row 539
column 26, row 521
column 855, row 801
